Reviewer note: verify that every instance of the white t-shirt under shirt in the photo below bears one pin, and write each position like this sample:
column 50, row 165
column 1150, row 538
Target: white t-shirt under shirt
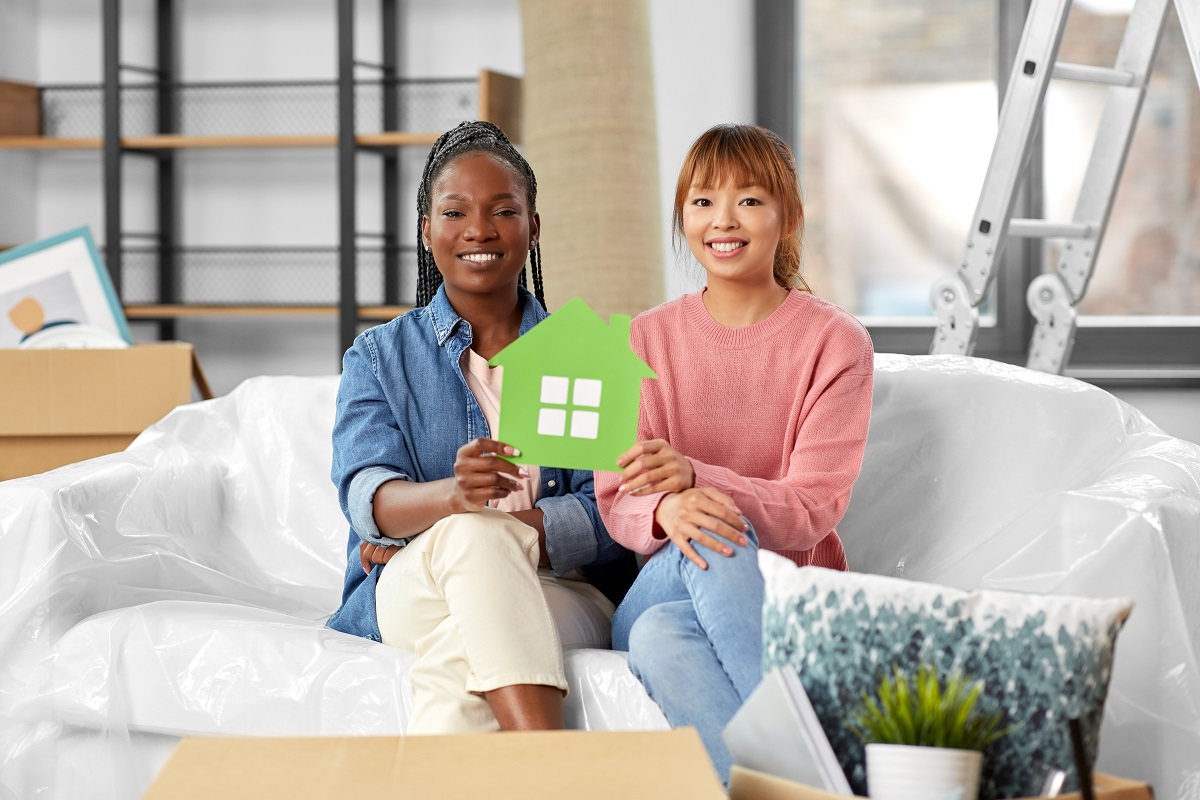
column 484, row 382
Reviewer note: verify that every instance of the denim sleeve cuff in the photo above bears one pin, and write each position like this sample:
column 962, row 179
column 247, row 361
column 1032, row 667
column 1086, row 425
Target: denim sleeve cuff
column 360, row 502
column 570, row 537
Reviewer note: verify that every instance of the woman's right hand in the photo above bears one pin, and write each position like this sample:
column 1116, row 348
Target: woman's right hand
column 371, row 554
column 481, row 475
column 688, row 516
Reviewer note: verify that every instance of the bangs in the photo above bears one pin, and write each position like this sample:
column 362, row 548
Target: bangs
column 738, row 155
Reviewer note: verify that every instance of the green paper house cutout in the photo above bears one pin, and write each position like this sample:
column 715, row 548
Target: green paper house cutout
column 571, row 390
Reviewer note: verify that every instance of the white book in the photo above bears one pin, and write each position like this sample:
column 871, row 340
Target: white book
column 777, row 732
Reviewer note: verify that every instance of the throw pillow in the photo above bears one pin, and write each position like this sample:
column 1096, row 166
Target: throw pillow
column 1044, row 659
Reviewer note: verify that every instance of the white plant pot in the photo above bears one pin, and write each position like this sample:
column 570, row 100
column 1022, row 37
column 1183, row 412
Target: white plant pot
column 905, row 772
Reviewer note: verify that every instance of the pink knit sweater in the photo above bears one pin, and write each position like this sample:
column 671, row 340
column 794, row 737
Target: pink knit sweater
column 774, row 414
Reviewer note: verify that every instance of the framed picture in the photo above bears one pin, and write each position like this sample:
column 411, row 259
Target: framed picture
column 57, row 281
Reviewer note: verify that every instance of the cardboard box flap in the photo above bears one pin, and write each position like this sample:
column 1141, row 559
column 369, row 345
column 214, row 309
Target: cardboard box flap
column 91, row 392
column 551, row 765
column 748, row 784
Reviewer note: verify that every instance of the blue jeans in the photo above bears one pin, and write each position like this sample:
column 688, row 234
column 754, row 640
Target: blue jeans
column 694, row 637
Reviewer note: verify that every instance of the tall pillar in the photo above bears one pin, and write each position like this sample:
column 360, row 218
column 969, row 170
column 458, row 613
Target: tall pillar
column 589, row 134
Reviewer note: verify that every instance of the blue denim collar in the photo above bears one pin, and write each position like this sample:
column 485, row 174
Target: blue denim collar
column 446, row 320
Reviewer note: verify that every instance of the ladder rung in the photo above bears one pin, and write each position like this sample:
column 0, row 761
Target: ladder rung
column 1041, row 229
column 1089, row 74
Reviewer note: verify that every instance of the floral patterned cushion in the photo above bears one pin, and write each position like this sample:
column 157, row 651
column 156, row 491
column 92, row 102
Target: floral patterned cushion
column 1044, row 658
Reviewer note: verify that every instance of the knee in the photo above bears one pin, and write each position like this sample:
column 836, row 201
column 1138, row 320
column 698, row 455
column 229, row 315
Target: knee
column 483, row 534
column 656, row 636
column 740, row 567
column 751, row 534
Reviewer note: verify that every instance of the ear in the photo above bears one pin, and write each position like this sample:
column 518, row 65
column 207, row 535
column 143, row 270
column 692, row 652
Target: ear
column 425, row 232
column 535, row 230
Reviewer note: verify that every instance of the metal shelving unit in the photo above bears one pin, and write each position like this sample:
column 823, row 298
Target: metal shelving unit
column 148, row 112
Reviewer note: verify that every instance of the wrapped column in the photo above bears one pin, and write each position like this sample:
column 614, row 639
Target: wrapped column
column 589, row 134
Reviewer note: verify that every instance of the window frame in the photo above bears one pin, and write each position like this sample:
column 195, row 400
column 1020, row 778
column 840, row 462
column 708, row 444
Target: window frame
column 1118, row 351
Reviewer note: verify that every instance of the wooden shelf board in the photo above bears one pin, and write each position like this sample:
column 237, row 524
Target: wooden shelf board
column 179, row 142
column 383, row 313
column 179, row 311
column 396, row 139
column 47, row 143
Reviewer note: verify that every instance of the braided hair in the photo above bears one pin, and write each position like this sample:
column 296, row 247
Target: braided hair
column 471, row 137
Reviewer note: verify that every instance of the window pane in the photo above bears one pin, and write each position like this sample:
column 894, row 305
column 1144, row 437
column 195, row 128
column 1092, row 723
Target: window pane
column 1149, row 261
column 898, row 118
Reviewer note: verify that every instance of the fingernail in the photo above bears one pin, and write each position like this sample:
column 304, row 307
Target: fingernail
column 728, row 551
column 512, row 451
column 621, row 488
column 524, row 473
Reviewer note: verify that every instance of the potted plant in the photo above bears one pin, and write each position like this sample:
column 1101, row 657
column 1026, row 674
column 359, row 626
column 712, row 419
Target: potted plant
column 924, row 739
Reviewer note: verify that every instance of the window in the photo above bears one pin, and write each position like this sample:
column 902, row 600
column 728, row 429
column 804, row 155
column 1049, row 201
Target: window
column 555, row 411
column 1150, row 260
column 897, row 120
column 892, row 110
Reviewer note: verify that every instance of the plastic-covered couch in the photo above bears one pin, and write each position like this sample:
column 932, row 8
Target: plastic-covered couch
column 179, row 588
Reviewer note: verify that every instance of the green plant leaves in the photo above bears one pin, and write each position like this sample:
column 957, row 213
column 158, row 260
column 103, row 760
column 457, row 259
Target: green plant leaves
column 927, row 713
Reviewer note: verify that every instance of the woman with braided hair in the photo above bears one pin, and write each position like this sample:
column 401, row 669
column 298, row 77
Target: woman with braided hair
column 484, row 568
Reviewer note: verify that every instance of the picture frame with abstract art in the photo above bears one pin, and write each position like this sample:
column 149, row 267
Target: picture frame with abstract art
column 57, row 281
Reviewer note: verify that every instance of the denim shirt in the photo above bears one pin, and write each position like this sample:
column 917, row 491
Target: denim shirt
column 403, row 411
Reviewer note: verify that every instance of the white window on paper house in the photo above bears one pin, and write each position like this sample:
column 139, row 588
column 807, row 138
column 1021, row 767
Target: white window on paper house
column 564, row 407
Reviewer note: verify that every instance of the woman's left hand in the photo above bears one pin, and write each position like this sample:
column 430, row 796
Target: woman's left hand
column 654, row 466
column 371, row 554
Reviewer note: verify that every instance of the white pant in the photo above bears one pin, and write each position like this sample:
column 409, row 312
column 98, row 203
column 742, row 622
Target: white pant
column 467, row 597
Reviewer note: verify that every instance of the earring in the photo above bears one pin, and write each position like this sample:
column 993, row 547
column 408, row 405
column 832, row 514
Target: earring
column 427, row 247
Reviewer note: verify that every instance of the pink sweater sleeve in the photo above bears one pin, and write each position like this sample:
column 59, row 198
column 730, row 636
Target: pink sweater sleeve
column 629, row 519
column 812, row 497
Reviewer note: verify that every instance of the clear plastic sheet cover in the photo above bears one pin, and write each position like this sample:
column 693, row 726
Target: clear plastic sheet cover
column 180, row 587
column 983, row 475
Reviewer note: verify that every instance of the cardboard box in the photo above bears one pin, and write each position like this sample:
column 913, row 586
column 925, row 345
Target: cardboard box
column 747, row 784
column 658, row 765
column 20, row 109
column 62, row 406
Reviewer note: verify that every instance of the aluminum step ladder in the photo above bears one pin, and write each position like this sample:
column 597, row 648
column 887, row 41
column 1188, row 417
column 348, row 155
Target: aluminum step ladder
column 1052, row 296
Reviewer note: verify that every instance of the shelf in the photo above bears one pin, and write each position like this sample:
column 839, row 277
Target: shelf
column 178, row 142
column 258, row 110
column 396, row 139
column 48, row 143
column 296, row 279
column 155, row 312
column 163, row 284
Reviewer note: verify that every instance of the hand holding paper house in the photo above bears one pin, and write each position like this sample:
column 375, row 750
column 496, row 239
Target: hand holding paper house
column 571, row 390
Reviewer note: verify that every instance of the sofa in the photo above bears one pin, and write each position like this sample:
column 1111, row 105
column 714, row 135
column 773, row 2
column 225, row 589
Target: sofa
column 180, row 587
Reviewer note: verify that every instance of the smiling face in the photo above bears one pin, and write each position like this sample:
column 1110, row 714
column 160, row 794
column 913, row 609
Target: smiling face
column 480, row 226
column 752, row 169
column 733, row 231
